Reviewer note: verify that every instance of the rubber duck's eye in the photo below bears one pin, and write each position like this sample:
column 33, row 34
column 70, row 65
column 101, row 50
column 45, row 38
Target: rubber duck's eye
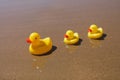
column 69, row 33
column 35, row 37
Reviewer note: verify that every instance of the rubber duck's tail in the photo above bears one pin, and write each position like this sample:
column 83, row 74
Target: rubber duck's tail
column 100, row 30
column 76, row 35
column 47, row 41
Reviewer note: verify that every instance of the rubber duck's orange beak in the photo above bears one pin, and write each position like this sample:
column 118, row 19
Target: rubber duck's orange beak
column 28, row 40
column 89, row 30
column 66, row 36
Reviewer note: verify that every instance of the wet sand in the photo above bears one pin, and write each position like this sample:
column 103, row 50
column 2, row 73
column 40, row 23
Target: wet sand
column 91, row 60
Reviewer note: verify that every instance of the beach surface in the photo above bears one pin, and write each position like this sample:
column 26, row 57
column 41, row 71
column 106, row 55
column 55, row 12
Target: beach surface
column 90, row 60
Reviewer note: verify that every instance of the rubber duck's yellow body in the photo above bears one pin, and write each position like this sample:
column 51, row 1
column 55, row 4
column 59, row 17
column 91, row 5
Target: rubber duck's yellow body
column 94, row 32
column 39, row 46
column 71, row 37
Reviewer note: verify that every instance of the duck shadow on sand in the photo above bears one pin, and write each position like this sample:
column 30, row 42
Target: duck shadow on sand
column 103, row 37
column 79, row 42
column 50, row 52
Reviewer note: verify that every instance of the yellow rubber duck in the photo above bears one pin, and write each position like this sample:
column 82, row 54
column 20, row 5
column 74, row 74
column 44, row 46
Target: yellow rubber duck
column 94, row 32
column 70, row 37
column 39, row 46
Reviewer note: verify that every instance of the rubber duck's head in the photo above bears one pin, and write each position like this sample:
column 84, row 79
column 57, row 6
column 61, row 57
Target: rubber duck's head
column 69, row 34
column 33, row 38
column 93, row 28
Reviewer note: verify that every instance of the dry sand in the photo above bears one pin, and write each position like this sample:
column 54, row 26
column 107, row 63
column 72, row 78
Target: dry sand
column 91, row 60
